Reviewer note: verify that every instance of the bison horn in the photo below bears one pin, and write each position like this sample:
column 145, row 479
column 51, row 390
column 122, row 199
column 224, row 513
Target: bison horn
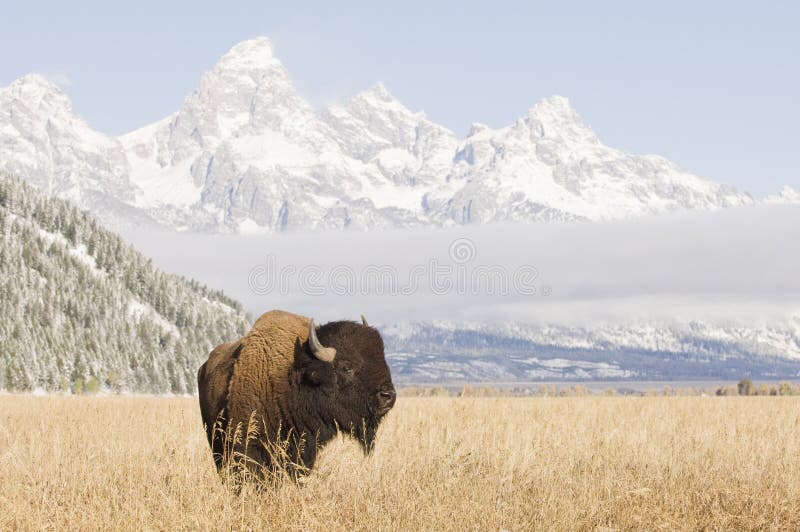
column 364, row 321
column 326, row 354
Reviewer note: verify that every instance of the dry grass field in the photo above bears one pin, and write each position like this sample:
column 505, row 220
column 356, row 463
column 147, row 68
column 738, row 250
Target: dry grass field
column 441, row 463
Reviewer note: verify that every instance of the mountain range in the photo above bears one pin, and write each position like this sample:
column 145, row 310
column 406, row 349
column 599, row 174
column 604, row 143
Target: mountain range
column 443, row 352
column 247, row 153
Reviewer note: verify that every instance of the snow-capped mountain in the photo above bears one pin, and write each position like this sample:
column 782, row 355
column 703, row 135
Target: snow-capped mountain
column 43, row 141
column 449, row 352
column 246, row 152
column 787, row 196
column 550, row 164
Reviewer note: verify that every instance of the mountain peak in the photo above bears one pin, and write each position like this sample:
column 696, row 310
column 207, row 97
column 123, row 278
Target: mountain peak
column 252, row 54
column 556, row 115
column 36, row 90
column 36, row 80
column 379, row 96
column 787, row 195
column 555, row 102
column 34, row 84
column 378, row 99
column 554, row 107
column 248, row 86
column 379, row 92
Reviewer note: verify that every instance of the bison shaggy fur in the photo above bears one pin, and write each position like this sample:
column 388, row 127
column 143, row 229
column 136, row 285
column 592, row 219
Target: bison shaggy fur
column 269, row 401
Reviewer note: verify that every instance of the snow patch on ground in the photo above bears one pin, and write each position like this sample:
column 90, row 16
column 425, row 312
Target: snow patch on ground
column 219, row 305
column 137, row 309
column 80, row 252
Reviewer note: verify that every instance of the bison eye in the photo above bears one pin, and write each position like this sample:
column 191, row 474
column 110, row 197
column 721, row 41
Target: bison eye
column 346, row 368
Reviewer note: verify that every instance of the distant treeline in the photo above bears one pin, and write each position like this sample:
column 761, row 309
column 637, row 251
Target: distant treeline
column 745, row 387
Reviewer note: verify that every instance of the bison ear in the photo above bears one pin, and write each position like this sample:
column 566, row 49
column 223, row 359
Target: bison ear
column 308, row 370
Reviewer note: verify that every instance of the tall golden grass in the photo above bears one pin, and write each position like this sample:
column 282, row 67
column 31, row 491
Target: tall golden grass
column 440, row 464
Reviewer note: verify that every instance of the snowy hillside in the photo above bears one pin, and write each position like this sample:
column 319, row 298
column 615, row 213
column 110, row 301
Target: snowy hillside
column 442, row 352
column 246, row 153
column 84, row 309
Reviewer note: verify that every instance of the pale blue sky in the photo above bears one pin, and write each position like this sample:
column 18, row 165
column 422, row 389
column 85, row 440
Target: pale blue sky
column 713, row 86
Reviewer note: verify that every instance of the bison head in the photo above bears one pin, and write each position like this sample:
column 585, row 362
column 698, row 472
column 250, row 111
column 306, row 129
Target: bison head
column 344, row 368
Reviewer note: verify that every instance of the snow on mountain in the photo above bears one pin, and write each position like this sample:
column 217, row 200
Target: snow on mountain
column 787, row 196
column 409, row 151
column 245, row 152
column 549, row 164
column 42, row 140
column 464, row 352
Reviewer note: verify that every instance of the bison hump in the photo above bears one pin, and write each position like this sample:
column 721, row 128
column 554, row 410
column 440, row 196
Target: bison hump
column 259, row 383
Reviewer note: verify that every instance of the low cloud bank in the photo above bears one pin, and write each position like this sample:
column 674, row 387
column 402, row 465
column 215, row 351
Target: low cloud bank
column 738, row 265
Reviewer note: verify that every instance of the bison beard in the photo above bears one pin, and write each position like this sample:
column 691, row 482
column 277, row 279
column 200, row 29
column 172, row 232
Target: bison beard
column 272, row 399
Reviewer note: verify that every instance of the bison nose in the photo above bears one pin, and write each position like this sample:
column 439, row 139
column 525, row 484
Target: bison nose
column 386, row 398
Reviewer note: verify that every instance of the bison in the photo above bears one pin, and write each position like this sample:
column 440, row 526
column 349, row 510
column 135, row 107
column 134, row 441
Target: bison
column 271, row 399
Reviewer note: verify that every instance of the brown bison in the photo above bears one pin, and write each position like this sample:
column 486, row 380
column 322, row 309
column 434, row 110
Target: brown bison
column 292, row 386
